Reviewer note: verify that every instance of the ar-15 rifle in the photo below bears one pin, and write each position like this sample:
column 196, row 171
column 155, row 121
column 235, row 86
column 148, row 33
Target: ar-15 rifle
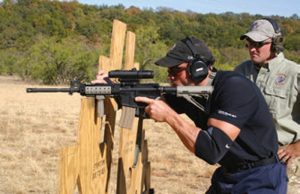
column 127, row 89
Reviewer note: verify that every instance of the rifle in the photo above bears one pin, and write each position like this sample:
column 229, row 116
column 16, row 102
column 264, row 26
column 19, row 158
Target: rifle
column 128, row 87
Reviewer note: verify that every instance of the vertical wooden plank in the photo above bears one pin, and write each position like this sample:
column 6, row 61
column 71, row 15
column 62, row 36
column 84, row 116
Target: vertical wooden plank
column 129, row 52
column 104, row 63
column 99, row 157
column 146, row 174
column 127, row 136
column 140, row 181
column 136, row 65
column 68, row 169
column 127, row 153
column 117, row 44
column 110, row 112
column 138, row 171
column 137, row 181
column 92, row 163
column 85, row 135
column 147, row 177
column 110, row 108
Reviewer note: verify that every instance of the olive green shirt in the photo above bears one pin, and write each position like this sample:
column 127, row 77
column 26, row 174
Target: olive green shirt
column 279, row 81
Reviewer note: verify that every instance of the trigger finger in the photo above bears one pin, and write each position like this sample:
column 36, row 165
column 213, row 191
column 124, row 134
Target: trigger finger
column 143, row 99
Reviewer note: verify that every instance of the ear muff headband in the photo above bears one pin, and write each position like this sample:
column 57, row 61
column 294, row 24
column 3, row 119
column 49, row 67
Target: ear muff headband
column 274, row 25
column 278, row 39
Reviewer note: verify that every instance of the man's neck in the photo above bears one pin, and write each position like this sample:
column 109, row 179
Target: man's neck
column 209, row 79
column 266, row 62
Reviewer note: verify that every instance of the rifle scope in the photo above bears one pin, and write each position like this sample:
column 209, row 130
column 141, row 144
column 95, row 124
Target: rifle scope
column 132, row 74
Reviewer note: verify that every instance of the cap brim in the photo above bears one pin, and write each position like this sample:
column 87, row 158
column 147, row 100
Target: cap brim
column 255, row 36
column 168, row 62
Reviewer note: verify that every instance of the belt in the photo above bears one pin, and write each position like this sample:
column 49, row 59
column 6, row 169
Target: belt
column 248, row 165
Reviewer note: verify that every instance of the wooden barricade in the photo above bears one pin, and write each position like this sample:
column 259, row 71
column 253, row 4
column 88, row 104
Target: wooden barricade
column 87, row 164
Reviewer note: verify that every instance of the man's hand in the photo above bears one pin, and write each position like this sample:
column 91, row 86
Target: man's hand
column 288, row 152
column 157, row 109
column 101, row 78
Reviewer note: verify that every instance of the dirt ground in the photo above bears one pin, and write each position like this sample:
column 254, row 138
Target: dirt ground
column 34, row 127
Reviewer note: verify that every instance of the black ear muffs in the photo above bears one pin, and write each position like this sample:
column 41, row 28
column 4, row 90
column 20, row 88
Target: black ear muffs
column 198, row 67
column 198, row 70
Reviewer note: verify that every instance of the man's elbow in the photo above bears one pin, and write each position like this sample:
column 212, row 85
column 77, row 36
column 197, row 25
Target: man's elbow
column 212, row 147
column 212, row 158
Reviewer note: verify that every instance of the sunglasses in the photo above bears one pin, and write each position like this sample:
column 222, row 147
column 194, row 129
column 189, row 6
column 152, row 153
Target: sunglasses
column 251, row 44
column 175, row 70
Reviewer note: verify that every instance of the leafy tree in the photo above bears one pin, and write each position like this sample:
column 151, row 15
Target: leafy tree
column 292, row 42
column 150, row 48
column 53, row 41
column 53, row 62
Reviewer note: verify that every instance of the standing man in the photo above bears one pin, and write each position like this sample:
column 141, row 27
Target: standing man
column 233, row 126
column 279, row 81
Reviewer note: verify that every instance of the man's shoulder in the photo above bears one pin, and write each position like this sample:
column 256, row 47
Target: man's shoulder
column 245, row 63
column 233, row 87
column 232, row 79
column 230, row 75
column 291, row 65
column 244, row 66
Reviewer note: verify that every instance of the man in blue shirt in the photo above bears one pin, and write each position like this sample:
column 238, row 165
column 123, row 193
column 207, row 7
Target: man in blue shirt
column 233, row 126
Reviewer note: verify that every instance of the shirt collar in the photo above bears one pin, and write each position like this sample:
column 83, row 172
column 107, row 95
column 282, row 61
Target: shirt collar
column 273, row 63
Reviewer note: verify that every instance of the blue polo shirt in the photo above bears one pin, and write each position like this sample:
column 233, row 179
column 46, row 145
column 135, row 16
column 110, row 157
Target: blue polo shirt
column 238, row 101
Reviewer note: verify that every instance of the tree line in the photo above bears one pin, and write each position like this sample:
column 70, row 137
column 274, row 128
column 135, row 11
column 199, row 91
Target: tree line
column 52, row 41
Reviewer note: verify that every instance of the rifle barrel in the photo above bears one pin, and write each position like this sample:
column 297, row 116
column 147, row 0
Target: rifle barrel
column 46, row 90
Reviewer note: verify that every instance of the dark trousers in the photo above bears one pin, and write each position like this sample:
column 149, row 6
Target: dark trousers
column 268, row 179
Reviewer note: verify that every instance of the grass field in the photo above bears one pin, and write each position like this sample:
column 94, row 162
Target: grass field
column 34, row 127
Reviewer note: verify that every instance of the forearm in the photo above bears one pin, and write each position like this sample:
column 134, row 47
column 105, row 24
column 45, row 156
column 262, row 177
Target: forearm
column 159, row 111
column 187, row 132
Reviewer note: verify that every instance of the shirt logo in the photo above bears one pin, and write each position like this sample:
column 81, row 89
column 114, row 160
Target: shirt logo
column 254, row 26
column 227, row 146
column 221, row 112
column 280, row 79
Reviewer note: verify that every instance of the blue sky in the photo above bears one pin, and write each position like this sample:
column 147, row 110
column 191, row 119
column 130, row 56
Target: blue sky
column 263, row 7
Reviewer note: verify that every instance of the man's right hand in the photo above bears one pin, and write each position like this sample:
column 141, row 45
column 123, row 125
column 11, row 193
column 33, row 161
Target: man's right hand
column 157, row 109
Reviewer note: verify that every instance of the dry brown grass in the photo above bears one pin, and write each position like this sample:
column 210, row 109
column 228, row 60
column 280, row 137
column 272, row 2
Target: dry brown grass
column 34, row 127
column 32, row 130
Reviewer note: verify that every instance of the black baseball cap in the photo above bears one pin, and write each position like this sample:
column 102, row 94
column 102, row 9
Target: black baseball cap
column 186, row 50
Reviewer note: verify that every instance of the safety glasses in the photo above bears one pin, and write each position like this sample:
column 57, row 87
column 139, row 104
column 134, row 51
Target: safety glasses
column 252, row 44
column 175, row 70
